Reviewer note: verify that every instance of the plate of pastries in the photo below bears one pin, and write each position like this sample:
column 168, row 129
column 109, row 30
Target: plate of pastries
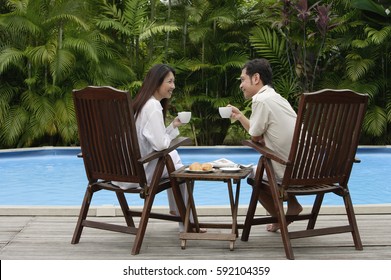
column 197, row 167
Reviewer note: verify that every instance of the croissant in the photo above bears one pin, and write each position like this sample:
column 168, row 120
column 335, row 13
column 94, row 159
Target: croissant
column 206, row 166
column 195, row 166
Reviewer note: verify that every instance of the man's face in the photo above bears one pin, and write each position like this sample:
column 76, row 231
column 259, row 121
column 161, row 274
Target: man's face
column 247, row 85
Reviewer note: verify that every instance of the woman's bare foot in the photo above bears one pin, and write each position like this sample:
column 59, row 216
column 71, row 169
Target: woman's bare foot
column 182, row 229
column 272, row 227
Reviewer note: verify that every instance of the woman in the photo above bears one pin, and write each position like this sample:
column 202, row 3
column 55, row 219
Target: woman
column 150, row 109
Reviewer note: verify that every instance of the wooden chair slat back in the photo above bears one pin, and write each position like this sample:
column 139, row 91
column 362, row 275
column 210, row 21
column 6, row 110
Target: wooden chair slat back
column 326, row 137
column 107, row 135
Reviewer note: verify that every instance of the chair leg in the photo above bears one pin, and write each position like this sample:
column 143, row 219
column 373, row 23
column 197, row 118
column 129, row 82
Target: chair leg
column 284, row 232
column 125, row 209
column 283, row 225
column 352, row 222
column 279, row 208
column 250, row 213
column 82, row 215
column 253, row 200
column 315, row 211
column 142, row 227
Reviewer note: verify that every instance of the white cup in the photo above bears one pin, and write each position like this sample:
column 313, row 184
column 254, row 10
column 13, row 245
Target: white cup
column 225, row 112
column 184, row 117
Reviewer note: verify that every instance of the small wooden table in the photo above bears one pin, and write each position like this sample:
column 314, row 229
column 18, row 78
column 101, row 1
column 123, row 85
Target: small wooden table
column 216, row 175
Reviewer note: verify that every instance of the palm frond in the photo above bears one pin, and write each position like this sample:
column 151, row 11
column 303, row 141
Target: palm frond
column 360, row 43
column 62, row 65
column 375, row 121
column 152, row 29
column 67, row 17
column 84, row 46
column 388, row 110
column 13, row 126
column 357, row 66
column 20, row 24
column 379, row 36
column 135, row 14
column 268, row 45
column 10, row 57
column 41, row 55
column 65, row 118
column 7, row 93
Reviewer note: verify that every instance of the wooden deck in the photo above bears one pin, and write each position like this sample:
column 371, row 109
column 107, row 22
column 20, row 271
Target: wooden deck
column 40, row 237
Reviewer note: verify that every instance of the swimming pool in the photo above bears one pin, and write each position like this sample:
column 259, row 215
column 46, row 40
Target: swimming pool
column 55, row 177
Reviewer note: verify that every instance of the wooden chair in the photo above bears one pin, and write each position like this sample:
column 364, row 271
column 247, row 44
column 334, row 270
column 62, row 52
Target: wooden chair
column 110, row 151
column 323, row 150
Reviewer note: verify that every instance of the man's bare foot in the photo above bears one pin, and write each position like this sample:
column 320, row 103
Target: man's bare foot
column 294, row 208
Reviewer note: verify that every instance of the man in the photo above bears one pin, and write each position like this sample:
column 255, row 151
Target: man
column 271, row 123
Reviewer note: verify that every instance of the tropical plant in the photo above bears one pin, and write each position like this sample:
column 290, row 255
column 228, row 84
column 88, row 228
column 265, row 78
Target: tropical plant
column 368, row 64
column 49, row 49
column 298, row 40
column 323, row 45
column 214, row 35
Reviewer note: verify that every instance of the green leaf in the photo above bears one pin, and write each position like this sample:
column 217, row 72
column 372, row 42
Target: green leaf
column 375, row 121
column 369, row 5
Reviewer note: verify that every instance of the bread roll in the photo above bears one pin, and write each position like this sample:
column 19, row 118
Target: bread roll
column 195, row 166
column 206, row 166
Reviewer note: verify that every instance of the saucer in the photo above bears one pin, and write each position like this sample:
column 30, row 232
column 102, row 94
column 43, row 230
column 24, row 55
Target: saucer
column 230, row 169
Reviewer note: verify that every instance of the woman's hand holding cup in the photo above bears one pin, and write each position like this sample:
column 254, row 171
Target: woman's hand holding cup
column 184, row 117
column 225, row 112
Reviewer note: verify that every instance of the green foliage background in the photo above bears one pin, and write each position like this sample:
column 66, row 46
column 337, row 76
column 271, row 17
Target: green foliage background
column 48, row 48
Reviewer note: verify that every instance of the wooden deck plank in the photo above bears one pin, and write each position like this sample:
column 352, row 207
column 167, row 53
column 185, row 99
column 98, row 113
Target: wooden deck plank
column 48, row 238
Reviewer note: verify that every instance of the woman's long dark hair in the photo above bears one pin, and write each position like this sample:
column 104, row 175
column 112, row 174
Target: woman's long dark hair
column 152, row 81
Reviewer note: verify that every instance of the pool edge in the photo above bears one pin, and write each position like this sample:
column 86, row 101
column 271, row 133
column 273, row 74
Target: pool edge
column 113, row 211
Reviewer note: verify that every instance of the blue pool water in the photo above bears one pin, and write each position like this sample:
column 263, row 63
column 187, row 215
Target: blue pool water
column 52, row 176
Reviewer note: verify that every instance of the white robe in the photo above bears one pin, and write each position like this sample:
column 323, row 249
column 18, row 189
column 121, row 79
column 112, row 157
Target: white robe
column 153, row 135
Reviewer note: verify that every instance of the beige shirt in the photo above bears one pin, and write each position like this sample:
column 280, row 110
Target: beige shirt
column 273, row 117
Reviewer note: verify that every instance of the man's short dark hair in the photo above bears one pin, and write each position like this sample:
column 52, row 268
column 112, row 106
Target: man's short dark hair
column 262, row 67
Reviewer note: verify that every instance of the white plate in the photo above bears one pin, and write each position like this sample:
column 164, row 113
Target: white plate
column 230, row 169
column 199, row 171
column 223, row 162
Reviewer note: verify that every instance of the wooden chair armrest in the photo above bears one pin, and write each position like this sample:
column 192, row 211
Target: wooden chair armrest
column 264, row 151
column 180, row 141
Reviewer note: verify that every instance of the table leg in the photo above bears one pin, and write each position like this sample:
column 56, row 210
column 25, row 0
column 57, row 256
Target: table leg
column 192, row 208
column 236, row 206
column 190, row 211
column 192, row 229
column 234, row 202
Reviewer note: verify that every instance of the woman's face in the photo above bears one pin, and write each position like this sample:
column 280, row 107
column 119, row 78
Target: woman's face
column 166, row 88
